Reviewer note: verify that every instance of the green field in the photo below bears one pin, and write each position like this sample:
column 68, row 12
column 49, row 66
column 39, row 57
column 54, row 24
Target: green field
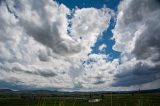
column 82, row 100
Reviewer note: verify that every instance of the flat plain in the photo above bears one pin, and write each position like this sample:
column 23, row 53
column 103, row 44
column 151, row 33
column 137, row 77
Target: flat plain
column 89, row 99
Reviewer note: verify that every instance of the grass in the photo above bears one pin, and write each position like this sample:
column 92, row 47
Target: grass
column 82, row 100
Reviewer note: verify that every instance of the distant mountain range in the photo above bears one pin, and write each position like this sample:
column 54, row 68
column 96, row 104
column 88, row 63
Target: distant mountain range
column 58, row 93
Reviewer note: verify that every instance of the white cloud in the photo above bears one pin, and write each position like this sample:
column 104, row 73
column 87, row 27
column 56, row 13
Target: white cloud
column 102, row 47
column 36, row 49
column 38, row 52
column 87, row 28
column 97, row 72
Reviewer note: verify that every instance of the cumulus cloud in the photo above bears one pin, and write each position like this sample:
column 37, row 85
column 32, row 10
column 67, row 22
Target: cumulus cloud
column 102, row 47
column 41, row 47
column 98, row 73
column 85, row 26
column 49, row 25
column 37, row 51
column 137, row 38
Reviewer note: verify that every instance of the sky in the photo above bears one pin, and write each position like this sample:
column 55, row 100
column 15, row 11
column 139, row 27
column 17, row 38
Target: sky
column 79, row 45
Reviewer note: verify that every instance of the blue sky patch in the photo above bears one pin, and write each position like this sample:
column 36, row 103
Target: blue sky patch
column 107, row 35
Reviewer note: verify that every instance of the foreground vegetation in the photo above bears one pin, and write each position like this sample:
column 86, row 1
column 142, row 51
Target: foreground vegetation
column 106, row 99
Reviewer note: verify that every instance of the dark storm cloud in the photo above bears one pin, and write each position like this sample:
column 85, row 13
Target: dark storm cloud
column 131, row 80
column 138, row 25
column 148, row 44
column 141, row 73
column 146, row 12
